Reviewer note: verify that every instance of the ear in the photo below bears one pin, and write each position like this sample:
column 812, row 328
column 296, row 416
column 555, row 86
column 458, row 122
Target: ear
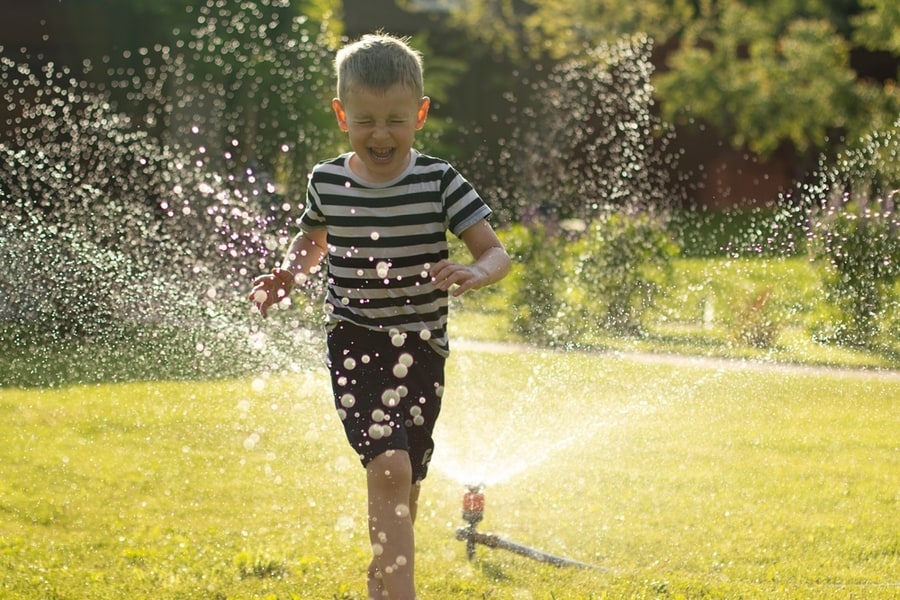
column 422, row 113
column 340, row 113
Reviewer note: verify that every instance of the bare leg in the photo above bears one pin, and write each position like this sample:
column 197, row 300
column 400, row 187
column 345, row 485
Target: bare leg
column 392, row 504
column 376, row 587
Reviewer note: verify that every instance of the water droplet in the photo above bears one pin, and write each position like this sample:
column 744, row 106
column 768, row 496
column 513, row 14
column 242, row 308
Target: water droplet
column 390, row 398
column 251, row 441
column 375, row 431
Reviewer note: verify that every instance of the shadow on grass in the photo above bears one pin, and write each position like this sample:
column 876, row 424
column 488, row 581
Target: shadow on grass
column 494, row 571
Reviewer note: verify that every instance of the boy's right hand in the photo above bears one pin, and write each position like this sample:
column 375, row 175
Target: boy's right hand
column 270, row 289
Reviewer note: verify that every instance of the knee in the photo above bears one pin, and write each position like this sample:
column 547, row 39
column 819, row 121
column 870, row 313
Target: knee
column 390, row 470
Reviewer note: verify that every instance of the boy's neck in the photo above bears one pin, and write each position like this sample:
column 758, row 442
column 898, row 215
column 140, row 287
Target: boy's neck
column 354, row 163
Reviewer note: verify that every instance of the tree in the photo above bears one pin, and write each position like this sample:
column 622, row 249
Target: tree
column 765, row 83
column 878, row 26
column 766, row 75
column 262, row 73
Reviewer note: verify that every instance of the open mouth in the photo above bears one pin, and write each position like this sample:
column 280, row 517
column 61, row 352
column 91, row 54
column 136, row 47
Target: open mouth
column 381, row 155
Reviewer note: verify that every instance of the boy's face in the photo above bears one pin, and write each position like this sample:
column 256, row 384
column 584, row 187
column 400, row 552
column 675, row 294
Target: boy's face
column 382, row 127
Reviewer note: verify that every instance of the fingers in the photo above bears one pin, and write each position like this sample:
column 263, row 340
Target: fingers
column 445, row 275
column 261, row 294
column 270, row 288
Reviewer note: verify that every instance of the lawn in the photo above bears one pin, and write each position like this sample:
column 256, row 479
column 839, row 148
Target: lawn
column 755, row 308
column 680, row 478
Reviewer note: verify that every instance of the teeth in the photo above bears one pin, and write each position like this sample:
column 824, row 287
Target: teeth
column 382, row 155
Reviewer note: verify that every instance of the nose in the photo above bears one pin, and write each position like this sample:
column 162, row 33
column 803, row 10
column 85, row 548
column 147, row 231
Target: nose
column 381, row 132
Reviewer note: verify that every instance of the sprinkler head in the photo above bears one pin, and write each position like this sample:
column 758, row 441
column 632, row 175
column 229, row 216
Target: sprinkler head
column 473, row 505
column 473, row 512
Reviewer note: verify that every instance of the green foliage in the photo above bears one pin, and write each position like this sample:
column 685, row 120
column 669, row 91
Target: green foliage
column 737, row 305
column 758, row 231
column 257, row 87
column 602, row 276
column 128, row 198
column 563, row 25
column 536, row 280
column 622, row 262
column 878, row 25
column 757, row 325
column 260, row 566
column 767, row 83
column 855, row 236
column 561, row 28
column 74, row 178
column 857, row 241
column 766, row 75
column 587, row 138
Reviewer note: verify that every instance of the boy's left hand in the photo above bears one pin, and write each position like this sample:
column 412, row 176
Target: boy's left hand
column 445, row 274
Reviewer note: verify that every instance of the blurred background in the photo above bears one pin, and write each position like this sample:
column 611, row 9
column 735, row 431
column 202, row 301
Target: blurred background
column 715, row 178
column 756, row 90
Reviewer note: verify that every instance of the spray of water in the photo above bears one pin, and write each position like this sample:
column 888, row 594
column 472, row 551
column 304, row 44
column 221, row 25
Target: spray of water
column 137, row 209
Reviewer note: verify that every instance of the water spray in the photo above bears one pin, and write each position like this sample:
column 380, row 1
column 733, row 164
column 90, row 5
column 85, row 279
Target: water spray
column 473, row 513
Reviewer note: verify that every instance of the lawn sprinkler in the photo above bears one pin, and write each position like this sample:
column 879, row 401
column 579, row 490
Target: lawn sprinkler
column 473, row 513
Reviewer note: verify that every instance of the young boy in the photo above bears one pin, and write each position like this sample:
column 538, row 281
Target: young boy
column 379, row 216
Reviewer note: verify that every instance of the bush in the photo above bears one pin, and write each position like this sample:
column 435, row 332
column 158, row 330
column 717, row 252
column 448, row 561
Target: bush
column 854, row 236
column 535, row 281
column 856, row 241
column 621, row 262
column 586, row 136
column 601, row 275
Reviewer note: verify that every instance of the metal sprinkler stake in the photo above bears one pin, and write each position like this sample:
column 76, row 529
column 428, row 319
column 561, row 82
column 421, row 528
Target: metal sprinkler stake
column 473, row 513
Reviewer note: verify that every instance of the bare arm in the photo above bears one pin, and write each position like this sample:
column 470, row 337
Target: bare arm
column 305, row 253
column 302, row 259
column 492, row 263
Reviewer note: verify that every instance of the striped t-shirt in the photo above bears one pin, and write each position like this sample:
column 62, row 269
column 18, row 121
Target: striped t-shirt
column 383, row 240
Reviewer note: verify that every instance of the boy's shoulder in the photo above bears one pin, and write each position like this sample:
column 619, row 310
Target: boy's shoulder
column 433, row 166
column 429, row 160
column 333, row 163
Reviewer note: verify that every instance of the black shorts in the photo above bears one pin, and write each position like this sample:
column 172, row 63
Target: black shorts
column 387, row 391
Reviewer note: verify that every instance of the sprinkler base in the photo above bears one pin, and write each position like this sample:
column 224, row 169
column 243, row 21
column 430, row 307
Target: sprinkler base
column 473, row 513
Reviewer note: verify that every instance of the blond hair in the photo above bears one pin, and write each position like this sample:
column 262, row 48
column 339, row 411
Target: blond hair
column 378, row 61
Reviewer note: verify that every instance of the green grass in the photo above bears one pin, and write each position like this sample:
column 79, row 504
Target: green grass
column 684, row 480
